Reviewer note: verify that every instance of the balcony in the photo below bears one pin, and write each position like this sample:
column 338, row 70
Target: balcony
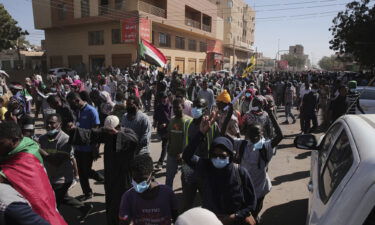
column 206, row 27
column 192, row 23
column 151, row 9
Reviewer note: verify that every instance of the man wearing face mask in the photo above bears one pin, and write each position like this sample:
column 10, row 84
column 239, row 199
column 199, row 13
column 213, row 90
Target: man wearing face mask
column 207, row 94
column 254, row 153
column 257, row 115
column 147, row 202
column 189, row 182
column 227, row 189
column 58, row 155
column 232, row 130
column 245, row 104
column 138, row 122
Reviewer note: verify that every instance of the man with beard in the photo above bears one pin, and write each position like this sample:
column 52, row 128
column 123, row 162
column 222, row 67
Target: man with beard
column 139, row 123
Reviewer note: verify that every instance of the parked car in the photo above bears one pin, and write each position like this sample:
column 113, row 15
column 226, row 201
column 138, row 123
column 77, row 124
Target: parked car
column 342, row 176
column 58, row 72
column 367, row 99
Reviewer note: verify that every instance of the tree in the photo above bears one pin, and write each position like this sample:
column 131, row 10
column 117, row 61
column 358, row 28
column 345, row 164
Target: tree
column 9, row 31
column 353, row 32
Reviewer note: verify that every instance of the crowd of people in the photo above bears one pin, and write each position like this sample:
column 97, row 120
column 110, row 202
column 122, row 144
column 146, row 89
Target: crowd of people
column 220, row 130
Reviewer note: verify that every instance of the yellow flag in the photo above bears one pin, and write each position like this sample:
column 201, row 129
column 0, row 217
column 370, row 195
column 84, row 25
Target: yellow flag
column 249, row 67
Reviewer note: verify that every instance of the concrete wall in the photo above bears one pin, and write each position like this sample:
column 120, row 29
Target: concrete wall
column 42, row 14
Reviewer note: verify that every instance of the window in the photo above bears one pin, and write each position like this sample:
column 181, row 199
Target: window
column 229, row 19
column 96, row 37
column 116, row 36
column 153, row 37
column 367, row 94
column 338, row 164
column 165, row 40
column 85, row 8
column 326, row 143
column 180, row 42
column 118, row 4
column 192, row 45
column 61, row 11
column 202, row 46
column 103, row 7
column 230, row 4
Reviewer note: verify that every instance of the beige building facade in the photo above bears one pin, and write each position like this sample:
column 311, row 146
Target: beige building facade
column 88, row 32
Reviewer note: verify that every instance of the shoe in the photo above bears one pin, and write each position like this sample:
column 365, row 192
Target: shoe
column 285, row 122
column 86, row 197
column 98, row 177
column 294, row 121
column 159, row 165
column 85, row 211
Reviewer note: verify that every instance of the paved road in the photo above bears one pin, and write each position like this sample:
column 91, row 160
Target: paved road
column 286, row 204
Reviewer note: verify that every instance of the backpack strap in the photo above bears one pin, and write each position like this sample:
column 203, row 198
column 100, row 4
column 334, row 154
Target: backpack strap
column 241, row 151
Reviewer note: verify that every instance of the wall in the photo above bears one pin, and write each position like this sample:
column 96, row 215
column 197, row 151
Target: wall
column 42, row 14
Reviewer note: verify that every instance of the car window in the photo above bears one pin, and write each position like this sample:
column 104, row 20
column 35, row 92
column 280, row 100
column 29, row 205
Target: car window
column 51, row 71
column 367, row 94
column 338, row 163
column 60, row 70
column 326, row 143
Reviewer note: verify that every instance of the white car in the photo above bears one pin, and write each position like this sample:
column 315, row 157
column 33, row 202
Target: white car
column 342, row 176
column 58, row 72
column 367, row 99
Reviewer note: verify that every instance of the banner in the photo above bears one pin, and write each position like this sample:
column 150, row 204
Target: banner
column 215, row 46
column 282, row 64
column 250, row 67
column 129, row 30
column 145, row 29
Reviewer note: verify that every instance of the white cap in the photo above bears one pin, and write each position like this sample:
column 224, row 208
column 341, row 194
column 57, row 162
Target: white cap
column 198, row 216
column 111, row 122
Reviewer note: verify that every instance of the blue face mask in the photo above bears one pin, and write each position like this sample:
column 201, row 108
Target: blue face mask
column 220, row 163
column 248, row 95
column 52, row 132
column 259, row 144
column 141, row 187
column 196, row 112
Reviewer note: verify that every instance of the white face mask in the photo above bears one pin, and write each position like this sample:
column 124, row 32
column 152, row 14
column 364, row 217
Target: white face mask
column 255, row 108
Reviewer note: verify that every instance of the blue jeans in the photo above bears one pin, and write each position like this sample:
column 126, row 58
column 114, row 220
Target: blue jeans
column 288, row 111
column 172, row 166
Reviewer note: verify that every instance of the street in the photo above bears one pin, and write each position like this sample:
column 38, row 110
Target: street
column 286, row 204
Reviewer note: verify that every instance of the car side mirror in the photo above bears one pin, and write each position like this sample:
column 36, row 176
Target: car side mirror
column 306, row 141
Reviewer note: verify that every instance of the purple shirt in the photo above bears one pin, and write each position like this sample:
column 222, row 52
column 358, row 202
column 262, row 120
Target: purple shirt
column 157, row 211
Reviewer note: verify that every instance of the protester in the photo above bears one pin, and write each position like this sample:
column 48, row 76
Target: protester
column 147, row 202
column 227, row 189
column 207, row 94
column 177, row 134
column 139, row 123
column 290, row 95
column 223, row 100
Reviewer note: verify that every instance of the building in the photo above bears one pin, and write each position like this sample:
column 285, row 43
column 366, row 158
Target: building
column 296, row 58
column 31, row 60
column 89, row 32
column 239, row 28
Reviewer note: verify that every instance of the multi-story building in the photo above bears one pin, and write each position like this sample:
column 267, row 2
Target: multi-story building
column 239, row 27
column 89, row 32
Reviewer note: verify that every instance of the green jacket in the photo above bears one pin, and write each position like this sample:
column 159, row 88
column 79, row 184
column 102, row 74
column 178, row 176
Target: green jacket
column 177, row 129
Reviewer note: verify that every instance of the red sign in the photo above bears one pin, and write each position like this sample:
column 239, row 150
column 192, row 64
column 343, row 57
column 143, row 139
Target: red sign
column 129, row 30
column 145, row 29
column 282, row 64
column 215, row 46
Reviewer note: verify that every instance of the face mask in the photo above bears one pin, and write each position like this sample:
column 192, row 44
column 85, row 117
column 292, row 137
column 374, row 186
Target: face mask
column 119, row 102
column 259, row 144
column 210, row 84
column 16, row 112
column 52, row 132
column 140, row 187
column 248, row 95
column 220, row 163
column 196, row 112
column 255, row 108
column 352, row 89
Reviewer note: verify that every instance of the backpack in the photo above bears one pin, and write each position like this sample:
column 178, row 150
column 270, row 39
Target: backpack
column 239, row 155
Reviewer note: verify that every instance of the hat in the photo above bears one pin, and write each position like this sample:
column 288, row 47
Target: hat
column 197, row 216
column 224, row 142
column 111, row 122
column 352, row 84
column 223, row 97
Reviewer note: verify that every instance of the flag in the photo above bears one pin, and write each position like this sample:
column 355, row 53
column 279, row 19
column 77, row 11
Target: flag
column 151, row 54
column 250, row 67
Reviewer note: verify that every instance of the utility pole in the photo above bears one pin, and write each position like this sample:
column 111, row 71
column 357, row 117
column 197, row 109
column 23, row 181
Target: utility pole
column 234, row 52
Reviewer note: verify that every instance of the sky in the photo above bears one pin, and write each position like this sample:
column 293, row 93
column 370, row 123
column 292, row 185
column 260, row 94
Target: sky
column 279, row 24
